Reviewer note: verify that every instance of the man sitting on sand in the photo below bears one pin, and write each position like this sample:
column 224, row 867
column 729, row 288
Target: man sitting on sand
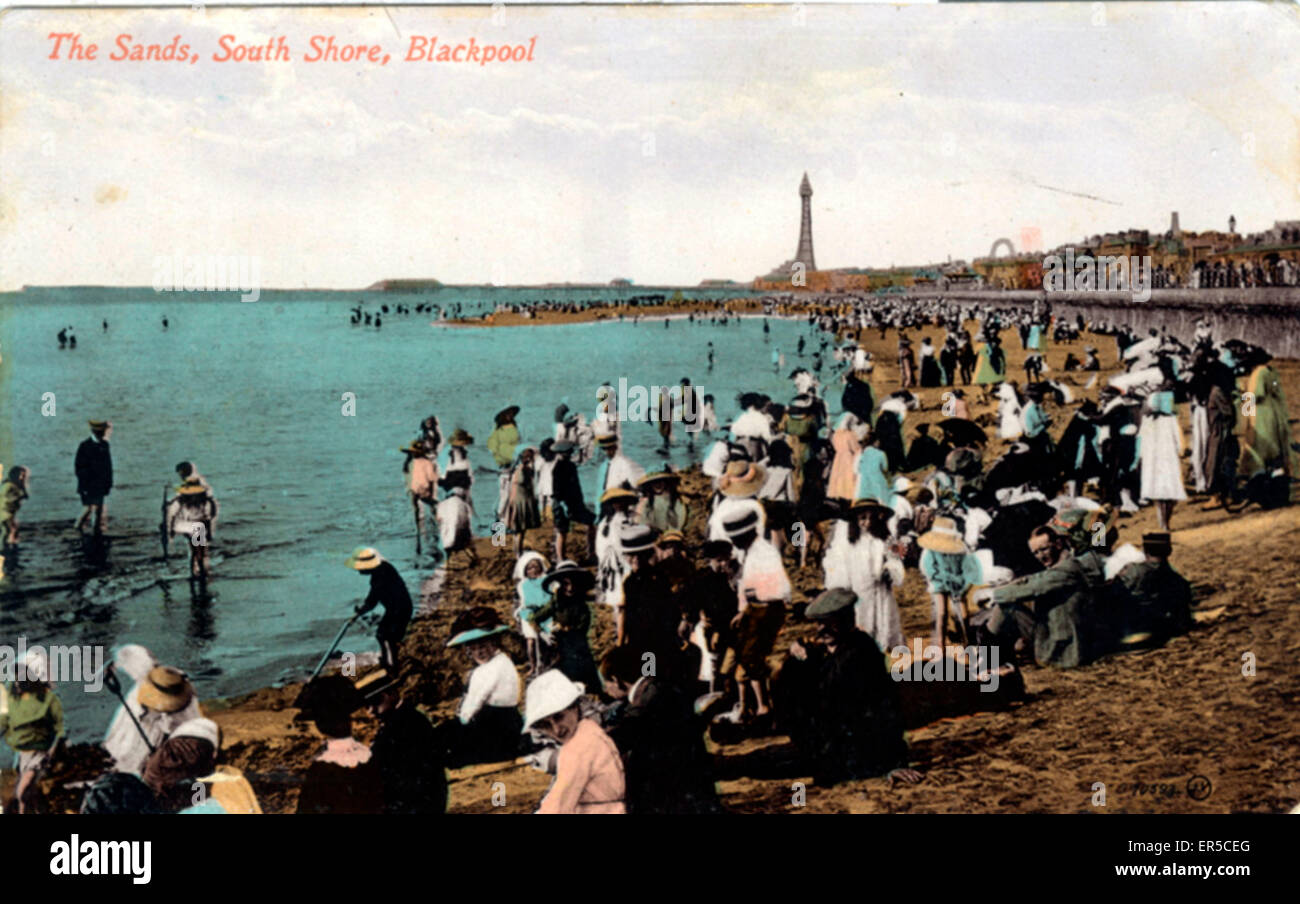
column 1159, row 599
column 837, row 701
column 1056, row 609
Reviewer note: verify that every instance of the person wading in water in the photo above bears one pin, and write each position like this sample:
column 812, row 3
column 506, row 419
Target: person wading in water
column 94, row 467
column 192, row 514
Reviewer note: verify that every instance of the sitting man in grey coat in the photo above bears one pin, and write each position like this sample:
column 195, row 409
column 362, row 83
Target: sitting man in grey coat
column 1060, row 609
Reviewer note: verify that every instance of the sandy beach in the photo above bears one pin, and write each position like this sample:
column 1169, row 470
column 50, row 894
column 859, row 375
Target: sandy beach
column 1146, row 724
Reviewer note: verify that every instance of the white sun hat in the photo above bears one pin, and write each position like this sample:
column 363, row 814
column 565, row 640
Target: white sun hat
column 550, row 693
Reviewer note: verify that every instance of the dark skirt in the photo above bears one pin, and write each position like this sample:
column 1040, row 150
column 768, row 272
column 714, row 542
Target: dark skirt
column 493, row 735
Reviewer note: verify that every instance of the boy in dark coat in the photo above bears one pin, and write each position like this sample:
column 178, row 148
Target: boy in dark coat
column 94, row 467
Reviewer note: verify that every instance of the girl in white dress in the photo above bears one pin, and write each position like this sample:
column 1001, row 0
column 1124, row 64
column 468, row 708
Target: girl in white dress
column 1160, row 443
column 860, row 561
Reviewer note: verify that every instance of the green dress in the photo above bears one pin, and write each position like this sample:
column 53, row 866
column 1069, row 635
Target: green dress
column 1268, row 434
column 993, row 365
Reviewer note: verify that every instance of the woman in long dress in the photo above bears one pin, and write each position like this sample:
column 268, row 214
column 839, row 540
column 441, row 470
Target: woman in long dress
column 873, row 470
column 1011, row 421
column 993, row 362
column 844, row 467
column 521, row 513
column 1267, row 441
column 1160, row 442
column 860, row 560
column 931, row 370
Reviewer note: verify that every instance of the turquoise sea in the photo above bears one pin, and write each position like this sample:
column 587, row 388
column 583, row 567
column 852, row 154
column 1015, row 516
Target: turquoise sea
column 253, row 394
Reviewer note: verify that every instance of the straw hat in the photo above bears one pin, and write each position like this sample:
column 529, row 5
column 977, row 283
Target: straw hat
column 166, row 690
column 364, row 558
column 460, row 437
column 943, row 537
column 672, row 536
column 192, row 487
column 414, row 447
column 550, row 693
column 614, row 493
column 606, row 440
column 658, row 477
column 868, row 504
column 99, row 426
column 742, row 478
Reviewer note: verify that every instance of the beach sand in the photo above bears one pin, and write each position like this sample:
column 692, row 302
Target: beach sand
column 1156, row 718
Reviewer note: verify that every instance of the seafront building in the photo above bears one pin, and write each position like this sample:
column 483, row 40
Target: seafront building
column 1209, row 259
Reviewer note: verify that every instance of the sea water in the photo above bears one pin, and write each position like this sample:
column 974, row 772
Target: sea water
column 255, row 395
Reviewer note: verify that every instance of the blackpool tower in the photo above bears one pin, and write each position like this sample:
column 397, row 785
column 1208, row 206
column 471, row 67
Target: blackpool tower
column 805, row 253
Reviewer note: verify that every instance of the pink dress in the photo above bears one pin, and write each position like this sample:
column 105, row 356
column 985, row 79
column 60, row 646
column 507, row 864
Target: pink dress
column 423, row 478
column 844, row 466
column 588, row 774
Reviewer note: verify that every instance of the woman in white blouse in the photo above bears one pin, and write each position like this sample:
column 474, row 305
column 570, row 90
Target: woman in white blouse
column 488, row 724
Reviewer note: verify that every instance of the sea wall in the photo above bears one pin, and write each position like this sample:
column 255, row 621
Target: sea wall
column 1268, row 317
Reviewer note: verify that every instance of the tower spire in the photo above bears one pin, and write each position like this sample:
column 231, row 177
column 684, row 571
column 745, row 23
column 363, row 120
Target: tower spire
column 804, row 254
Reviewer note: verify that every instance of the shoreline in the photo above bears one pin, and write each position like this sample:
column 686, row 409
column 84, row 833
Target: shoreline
column 1127, row 717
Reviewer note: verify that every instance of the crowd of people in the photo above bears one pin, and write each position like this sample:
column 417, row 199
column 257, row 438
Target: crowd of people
column 1011, row 524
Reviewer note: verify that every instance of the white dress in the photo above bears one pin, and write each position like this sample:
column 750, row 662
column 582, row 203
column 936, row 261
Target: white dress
column 1160, row 444
column 871, row 571
column 1010, row 419
column 612, row 565
column 454, row 522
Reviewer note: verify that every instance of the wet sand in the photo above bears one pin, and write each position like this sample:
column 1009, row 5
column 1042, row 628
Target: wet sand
column 1145, row 724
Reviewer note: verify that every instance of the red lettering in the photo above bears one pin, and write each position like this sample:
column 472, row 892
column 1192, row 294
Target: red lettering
column 123, row 45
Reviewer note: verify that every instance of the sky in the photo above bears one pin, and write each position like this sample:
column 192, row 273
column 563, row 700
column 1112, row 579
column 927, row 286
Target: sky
column 662, row 145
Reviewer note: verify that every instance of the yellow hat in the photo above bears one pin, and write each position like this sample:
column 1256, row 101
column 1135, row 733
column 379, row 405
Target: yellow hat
column 943, row 537
column 364, row 558
column 166, row 690
column 617, row 493
column 191, row 487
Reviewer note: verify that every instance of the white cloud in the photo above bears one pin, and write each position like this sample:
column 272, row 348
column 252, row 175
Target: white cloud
column 659, row 144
